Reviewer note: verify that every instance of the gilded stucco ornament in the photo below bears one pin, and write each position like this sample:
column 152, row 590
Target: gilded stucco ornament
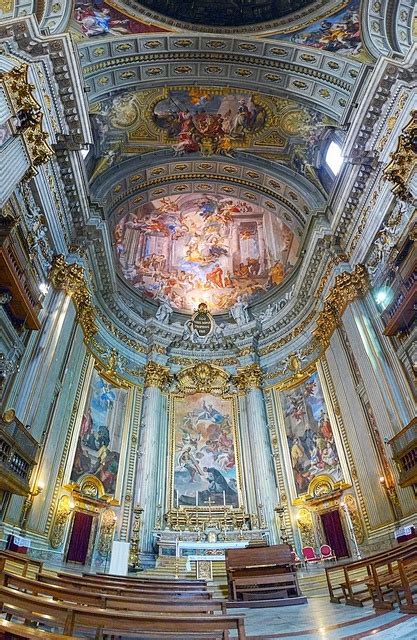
column 404, row 160
column 156, row 375
column 348, row 286
column 63, row 512
column 249, row 377
column 306, row 527
column 28, row 114
column 70, row 279
column 203, row 378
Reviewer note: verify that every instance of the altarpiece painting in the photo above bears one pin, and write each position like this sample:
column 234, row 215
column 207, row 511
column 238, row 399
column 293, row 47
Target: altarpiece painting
column 309, row 434
column 100, row 437
column 203, row 451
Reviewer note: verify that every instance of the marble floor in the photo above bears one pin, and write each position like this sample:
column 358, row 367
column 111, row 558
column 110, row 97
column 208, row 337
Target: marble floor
column 319, row 619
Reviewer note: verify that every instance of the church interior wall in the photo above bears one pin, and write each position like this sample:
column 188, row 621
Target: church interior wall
column 320, row 319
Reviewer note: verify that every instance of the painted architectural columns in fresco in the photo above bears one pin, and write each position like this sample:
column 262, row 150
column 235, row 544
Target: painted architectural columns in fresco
column 148, row 474
column 249, row 380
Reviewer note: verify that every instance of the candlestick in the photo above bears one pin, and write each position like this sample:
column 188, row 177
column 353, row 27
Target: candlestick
column 196, row 498
column 224, row 498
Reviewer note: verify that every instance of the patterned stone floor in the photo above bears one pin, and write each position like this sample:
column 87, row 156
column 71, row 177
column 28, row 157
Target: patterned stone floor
column 321, row 620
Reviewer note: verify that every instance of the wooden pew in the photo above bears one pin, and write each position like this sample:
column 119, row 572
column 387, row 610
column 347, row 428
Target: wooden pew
column 136, row 584
column 261, row 572
column 19, row 563
column 147, row 579
column 148, row 604
column 406, row 584
column 113, row 622
column 119, row 590
column 385, row 582
column 19, row 630
column 351, row 575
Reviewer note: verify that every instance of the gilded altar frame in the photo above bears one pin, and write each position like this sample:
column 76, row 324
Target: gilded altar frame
column 202, row 378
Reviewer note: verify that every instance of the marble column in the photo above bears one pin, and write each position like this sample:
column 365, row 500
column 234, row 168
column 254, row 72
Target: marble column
column 156, row 377
column 249, row 380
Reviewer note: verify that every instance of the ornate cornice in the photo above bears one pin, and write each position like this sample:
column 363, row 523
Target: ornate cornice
column 156, row 375
column 70, row 279
column 348, row 286
column 249, row 377
column 404, row 160
column 19, row 92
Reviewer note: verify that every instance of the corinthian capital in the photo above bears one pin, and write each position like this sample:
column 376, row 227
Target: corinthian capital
column 156, row 375
column 249, row 377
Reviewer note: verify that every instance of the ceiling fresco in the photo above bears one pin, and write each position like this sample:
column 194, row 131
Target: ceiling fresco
column 203, row 248
column 338, row 33
column 207, row 121
column 223, row 13
column 95, row 18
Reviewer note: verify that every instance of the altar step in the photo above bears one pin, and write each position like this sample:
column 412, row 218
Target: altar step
column 313, row 584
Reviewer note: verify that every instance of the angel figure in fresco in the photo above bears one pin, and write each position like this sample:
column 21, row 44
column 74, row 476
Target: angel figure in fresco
column 188, row 462
column 96, row 22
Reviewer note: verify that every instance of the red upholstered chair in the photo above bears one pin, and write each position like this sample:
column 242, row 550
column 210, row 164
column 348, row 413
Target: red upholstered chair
column 310, row 555
column 326, row 553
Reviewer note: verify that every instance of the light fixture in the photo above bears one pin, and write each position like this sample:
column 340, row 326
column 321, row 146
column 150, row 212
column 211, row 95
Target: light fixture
column 43, row 288
column 382, row 479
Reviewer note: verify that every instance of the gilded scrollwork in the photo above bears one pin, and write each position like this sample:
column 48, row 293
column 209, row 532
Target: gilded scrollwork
column 63, row 512
column 355, row 518
column 28, row 113
column 306, row 527
column 249, row 377
column 70, row 279
column 203, row 378
column 348, row 286
column 156, row 375
column 404, row 160
column 107, row 526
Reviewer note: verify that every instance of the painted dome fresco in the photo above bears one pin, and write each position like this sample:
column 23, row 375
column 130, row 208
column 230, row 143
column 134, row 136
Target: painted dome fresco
column 223, row 13
column 196, row 248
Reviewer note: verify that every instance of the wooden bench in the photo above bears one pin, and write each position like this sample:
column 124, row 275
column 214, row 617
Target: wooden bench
column 163, row 604
column 385, row 579
column 114, row 622
column 282, row 586
column 119, row 590
column 136, row 584
column 257, row 570
column 351, row 575
column 406, row 584
column 134, row 579
column 18, row 630
column 19, row 563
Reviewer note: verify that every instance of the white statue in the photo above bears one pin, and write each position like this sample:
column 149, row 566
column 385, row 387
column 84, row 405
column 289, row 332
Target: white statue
column 239, row 312
column 164, row 311
column 268, row 313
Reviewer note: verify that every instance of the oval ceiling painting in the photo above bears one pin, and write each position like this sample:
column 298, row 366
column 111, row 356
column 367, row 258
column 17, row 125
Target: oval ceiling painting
column 203, row 248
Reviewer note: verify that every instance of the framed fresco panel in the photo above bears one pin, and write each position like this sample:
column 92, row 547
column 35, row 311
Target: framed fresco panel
column 100, row 438
column 203, row 451
column 309, row 434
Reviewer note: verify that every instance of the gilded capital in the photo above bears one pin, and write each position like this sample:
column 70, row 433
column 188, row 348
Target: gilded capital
column 348, row 287
column 70, row 279
column 249, row 377
column 156, row 375
column 27, row 109
column 403, row 160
